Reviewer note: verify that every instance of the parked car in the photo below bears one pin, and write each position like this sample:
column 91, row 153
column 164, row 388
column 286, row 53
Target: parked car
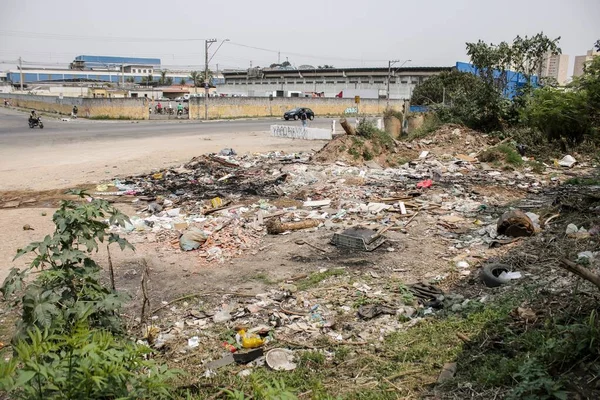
column 181, row 98
column 295, row 113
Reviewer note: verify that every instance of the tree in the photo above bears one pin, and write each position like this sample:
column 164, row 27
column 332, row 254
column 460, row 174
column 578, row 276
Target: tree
column 286, row 64
column 274, row 65
column 326, row 66
column 130, row 79
column 442, row 88
column 182, row 81
column 597, row 45
column 163, row 77
column 198, row 79
column 169, row 81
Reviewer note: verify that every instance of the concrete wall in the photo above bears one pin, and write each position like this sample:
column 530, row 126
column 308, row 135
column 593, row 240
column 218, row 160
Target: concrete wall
column 114, row 108
column 238, row 107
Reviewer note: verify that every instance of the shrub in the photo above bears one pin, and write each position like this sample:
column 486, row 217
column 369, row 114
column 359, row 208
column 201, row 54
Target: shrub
column 559, row 114
column 69, row 342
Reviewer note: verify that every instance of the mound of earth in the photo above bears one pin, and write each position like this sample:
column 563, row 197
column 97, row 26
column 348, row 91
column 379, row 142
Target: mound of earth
column 454, row 139
column 357, row 150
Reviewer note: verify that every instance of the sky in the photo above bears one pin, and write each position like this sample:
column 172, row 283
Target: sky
column 342, row 33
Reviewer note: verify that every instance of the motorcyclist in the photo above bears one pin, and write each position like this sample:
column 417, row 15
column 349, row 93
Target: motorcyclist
column 159, row 108
column 179, row 109
column 33, row 116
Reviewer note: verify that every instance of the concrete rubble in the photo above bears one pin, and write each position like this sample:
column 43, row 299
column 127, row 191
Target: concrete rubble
column 218, row 207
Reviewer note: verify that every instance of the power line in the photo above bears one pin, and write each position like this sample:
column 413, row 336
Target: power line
column 56, row 36
column 304, row 55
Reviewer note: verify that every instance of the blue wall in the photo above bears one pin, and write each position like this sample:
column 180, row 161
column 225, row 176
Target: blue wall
column 515, row 80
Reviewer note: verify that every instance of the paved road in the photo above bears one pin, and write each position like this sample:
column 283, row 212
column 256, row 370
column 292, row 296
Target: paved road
column 15, row 131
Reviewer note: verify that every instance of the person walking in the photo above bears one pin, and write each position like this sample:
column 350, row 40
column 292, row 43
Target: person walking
column 303, row 117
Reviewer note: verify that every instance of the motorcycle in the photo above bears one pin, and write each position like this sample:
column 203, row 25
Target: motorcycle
column 33, row 122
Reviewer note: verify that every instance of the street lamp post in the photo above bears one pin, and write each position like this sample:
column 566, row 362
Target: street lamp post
column 390, row 64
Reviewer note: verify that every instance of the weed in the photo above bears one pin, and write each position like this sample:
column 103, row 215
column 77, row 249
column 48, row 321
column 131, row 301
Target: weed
column 312, row 359
column 502, row 153
column 263, row 277
column 406, row 294
column 317, row 277
column 70, row 342
column 108, row 117
column 367, row 155
column 431, row 123
column 536, row 167
column 583, row 181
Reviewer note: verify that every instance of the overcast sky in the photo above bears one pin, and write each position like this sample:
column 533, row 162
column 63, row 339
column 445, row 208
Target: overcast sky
column 314, row 32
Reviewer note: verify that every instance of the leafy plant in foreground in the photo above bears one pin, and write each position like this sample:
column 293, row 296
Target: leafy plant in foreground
column 69, row 342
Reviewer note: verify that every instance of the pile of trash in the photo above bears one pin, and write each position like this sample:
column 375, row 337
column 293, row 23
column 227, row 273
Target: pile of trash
column 341, row 310
column 221, row 205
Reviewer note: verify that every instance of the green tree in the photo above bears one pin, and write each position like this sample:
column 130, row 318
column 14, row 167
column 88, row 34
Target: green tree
column 326, row 66
column 444, row 87
column 182, row 81
column 198, row 79
column 597, row 45
column 130, row 79
column 169, row 81
column 163, row 77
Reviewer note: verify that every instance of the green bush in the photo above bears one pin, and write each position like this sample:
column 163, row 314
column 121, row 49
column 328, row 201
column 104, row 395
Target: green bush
column 559, row 114
column 70, row 342
column 84, row 364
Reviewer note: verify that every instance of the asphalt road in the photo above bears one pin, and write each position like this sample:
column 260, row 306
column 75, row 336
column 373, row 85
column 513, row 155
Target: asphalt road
column 14, row 130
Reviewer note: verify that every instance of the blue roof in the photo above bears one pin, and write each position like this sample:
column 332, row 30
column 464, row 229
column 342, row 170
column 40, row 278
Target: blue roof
column 91, row 61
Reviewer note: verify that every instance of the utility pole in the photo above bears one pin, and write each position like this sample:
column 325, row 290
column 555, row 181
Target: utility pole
column 389, row 77
column 21, row 72
column 207, row 44
column 390, row 63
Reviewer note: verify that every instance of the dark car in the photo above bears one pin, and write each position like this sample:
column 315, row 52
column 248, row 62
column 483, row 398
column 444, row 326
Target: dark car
column 295, row 114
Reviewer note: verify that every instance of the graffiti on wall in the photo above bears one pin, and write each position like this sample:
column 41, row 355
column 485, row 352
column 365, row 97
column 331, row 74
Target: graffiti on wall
column 286, row 131
column 300, row 132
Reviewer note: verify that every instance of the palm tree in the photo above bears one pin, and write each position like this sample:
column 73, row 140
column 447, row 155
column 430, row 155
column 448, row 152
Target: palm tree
column 182, row 81
column 163, row 77
column 130, row 79
column 196, row 78
column 169, row 81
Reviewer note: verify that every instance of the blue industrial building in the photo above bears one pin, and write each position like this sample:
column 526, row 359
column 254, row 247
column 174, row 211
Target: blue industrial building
column 515, row 80
column 100, row 69
column 98, row 62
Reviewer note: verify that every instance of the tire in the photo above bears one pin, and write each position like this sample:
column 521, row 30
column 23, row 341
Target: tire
column 30, row 125
column 41, row 126
column 311, row 117
column 286, row 118
column 490, row 272
column 295, row 117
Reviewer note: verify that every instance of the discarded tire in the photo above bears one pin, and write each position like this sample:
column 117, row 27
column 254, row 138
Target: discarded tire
column 490, row 274
column 515, row 224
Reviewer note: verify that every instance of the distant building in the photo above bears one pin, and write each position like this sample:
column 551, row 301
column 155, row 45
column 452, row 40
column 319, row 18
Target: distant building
column 581, row 61
column 514, row 80
column 555, row 66
column 369, row 82
column 97, row 69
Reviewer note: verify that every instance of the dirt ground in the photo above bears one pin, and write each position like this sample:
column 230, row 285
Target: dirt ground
column 35, row 177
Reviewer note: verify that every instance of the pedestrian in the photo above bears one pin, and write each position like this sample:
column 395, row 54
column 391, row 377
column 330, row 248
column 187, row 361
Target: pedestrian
column 303, row 117
column 75, row 110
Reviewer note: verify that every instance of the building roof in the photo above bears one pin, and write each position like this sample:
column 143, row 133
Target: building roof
column 107, row 60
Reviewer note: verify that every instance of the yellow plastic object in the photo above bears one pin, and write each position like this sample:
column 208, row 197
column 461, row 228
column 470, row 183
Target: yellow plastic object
column 158, row 175
column 216, row 202
column 250, row 340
